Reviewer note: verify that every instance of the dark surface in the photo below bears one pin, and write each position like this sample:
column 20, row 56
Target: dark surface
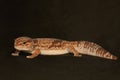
column 91, row 20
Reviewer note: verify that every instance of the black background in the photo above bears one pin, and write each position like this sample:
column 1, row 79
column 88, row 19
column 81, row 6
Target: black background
column 91, row 20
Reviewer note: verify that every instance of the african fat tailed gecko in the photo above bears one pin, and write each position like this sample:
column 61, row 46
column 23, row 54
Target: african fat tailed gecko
column 51, row 46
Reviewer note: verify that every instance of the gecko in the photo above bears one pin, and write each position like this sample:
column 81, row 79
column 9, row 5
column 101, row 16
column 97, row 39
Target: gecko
column 53, row 46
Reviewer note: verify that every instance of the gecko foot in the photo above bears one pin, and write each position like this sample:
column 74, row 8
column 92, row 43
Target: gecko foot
column 15, row 54
column 78, row 55
column 29, row 57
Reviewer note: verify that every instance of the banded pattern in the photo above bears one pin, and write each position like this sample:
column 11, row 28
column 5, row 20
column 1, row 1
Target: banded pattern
column 91, row 48
column 51, row 44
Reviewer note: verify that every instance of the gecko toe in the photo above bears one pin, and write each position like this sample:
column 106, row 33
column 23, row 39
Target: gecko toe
column 15, row 54
column 29, row 57
column 78, row 55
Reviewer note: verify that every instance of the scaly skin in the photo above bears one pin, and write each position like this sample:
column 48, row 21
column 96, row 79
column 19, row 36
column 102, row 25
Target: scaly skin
column 51, row 46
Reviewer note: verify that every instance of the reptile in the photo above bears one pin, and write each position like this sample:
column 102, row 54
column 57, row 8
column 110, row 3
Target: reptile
column 53, row 46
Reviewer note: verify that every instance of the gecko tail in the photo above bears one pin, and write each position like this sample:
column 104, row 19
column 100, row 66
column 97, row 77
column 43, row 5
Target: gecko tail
column 115, row 58
column 105, row 56
column 110, row 56
column 93, row 49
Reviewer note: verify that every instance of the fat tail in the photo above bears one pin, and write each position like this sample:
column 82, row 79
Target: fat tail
column 90, row 48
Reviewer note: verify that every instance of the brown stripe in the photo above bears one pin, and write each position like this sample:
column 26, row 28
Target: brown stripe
column 85, row 44
column 56, row 44
column 35, row 41
column 102, row 52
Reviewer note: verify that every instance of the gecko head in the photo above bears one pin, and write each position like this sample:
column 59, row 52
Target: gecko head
column 23, row 43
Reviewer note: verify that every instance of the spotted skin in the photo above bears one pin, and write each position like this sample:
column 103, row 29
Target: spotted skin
column 51, row 46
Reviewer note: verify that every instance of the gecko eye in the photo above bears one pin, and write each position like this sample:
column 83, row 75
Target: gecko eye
column 24, row 42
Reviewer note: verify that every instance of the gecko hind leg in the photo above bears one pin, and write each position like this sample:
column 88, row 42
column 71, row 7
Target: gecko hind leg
column 74, row 51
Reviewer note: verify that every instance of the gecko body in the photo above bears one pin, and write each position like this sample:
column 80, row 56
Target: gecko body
column 51, row 46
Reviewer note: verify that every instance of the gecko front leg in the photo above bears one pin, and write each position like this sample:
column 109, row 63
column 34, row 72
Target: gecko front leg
column 16, row 53
column 35, row 53
column 74, row 51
